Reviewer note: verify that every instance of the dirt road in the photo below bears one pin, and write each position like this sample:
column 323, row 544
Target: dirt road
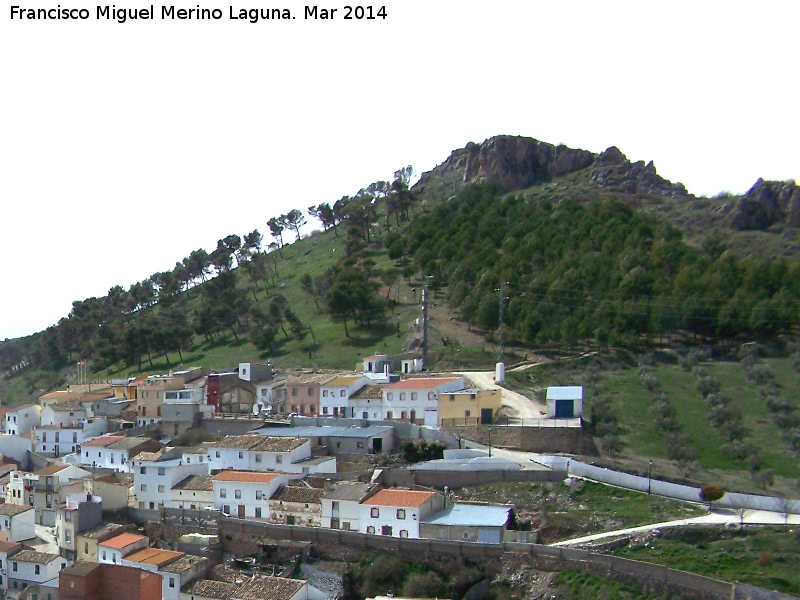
column 522, row 406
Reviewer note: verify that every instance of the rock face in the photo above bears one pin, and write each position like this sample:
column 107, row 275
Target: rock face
column 612, row 169
column 511, row 163
column 768, row 203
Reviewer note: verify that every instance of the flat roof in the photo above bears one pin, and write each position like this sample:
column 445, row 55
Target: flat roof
column 154, row 556
column 565, row 392
column 419, row 383
column 472, row 515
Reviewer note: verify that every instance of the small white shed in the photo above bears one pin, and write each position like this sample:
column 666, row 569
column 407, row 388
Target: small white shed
column 564, row 402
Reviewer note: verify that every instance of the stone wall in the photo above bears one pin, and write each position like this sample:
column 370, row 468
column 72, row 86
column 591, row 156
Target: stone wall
column 530, row 439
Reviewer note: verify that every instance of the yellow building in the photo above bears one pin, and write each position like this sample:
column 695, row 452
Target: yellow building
column 469, row 407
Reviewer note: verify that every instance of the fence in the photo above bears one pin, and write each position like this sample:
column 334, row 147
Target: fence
column 506, row 421
column 645, row 575
column 735, row 500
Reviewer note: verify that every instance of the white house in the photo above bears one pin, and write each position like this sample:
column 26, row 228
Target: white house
column 17, row 522
column 564, row 401
column 60, row 439
column 16, row 447
column 114, row 549
column 29, row 567
column 398, row 512
column 246, row 493
column 415, row 400
column 335, row 394
column 253, row 452
column 195, row 492
column 114, row 451
column 174, row 567
column 21, row 418
column 7, row 549
column 155, row 473
column 341, row 504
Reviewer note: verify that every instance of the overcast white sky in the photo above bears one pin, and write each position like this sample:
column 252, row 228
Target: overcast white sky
column 126, row 146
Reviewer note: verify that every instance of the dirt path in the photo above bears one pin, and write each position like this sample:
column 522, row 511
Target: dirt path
column 522, row 406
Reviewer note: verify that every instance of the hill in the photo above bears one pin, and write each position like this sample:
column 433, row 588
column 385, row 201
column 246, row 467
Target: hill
column 598, row 245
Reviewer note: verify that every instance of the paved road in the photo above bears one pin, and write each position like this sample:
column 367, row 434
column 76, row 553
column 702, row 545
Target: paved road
column 718, row 517
column 524, row 407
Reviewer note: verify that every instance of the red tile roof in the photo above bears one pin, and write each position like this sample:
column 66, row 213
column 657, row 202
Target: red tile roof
column 154, row 556
column 51, row 469
column 123, row 540
column 105, row 440
column 420, row 383
column 253, row 476
column 406, row 498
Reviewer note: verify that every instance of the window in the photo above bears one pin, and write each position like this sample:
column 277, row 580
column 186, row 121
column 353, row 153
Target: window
column 104, row 554
column 68, row 516
column 112, row 459
column 370, row 529
column 466, row 413
column 259, row 494
column 44, row 436
column 68, row 536
column 403, row 415
column 401, row 513
column 172, row 582
column 294, row 391
column 310, row 391
column 143, row 487
column 223, row 493
column 402, row 395
column 431, row 396
column 324, row 393
column 86, row 547
column 374, row 512
column 341, row 393
column 74, row 437
column 237, row 494
column 161, row 489
column 37, row 569
column 162, row 470
column 386, row 530
column 413, row 395
column 312, row 408
column 365, row 415
column 258, row 458
column 217, row 454
column 466, row 535
column 359, row 444
column 324, row 410
column 142, row 470
column 346, row 525
column 403, row 533
column 258, row 512
column 241, row 454
column 389, row 396
column 279, row 458
column 389, row 414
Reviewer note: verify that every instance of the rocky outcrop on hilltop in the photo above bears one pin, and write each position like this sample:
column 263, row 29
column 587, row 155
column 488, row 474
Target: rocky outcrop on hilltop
column 766, row 204
column 509, row 162
column 612, row 169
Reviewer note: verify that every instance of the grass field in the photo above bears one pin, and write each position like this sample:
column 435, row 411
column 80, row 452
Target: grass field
column 767, row 557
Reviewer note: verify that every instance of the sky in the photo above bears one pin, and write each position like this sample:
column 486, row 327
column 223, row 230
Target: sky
column 125, row 146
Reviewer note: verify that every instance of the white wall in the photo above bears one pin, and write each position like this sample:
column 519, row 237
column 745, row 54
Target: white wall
column 388, row 515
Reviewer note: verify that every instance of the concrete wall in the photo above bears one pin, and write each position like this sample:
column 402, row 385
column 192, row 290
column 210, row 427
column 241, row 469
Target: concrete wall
column 459, row 479
column 665, row 488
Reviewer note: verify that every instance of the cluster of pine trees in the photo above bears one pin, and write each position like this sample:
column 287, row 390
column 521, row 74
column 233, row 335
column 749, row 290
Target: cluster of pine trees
column 594, row 271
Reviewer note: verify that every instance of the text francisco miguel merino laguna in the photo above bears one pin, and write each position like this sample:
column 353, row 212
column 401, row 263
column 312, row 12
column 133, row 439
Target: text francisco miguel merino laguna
column 253, row 15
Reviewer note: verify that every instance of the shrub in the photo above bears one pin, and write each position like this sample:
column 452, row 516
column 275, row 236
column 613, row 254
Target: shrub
column 711, row 493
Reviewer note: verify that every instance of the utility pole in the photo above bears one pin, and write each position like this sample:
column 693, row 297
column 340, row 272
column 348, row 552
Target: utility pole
column 502, row 332
column 425, row 326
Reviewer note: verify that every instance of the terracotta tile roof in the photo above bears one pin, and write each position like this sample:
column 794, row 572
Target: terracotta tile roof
column 51, row 469
column 201, row 483
column 123, row 540
column 251, row 476
column 310, row 379
column 260, row 443
column 8, row 546
column 154, row 556
column 102, row 532
column 406, row 498
column 420, row 383
column 302, row 495
column 343, row 380
column 269, row 588
column 185, row 563
column 11, row 510
column 206, row 588
column 67, row 407
column 16, row 408
column 368, row 392
column 33, row 556
column 102, row 441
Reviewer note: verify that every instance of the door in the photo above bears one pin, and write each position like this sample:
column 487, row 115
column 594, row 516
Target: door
column 564, row 409
column 488, row 536
column 377, row 444
column 413, row 417
column 241, row 511
column 431, row 418
column 486, row 416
